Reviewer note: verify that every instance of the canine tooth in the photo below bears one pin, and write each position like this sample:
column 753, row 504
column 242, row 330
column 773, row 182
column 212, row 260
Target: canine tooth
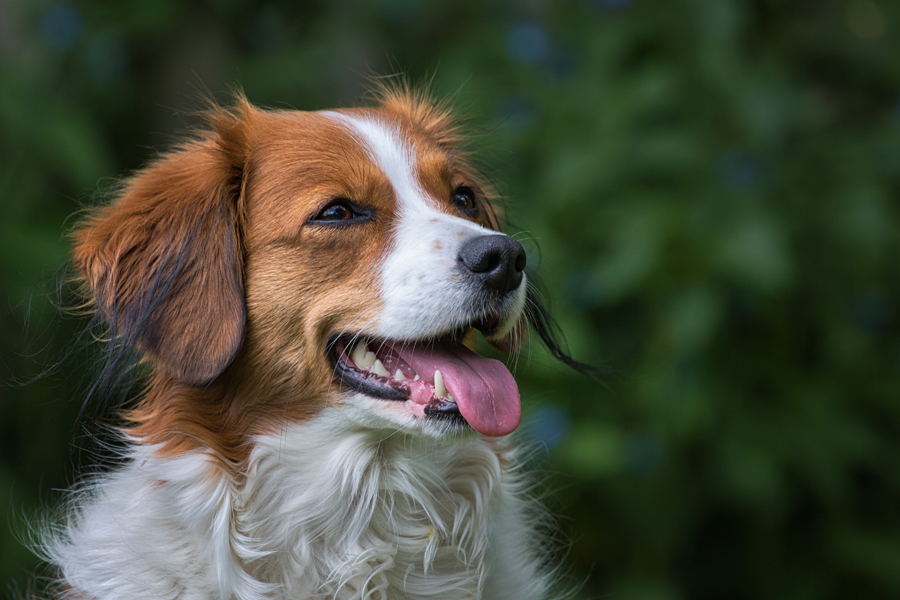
column 367, row 360
column 399, row 376
column 378, row 369
column 451, row 398
column 416, row 378
column 359, row 352
column 439, row 390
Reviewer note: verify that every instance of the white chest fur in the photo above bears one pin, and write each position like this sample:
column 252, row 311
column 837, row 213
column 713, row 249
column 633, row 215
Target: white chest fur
column 322, row 511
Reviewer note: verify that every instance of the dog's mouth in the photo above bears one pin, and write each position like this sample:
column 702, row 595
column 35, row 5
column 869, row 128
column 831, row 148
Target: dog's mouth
column 438, row 378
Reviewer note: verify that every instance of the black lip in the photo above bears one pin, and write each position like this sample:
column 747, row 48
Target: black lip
column 447, row 412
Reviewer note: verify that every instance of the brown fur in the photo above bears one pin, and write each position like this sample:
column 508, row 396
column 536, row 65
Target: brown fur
column 206, row 265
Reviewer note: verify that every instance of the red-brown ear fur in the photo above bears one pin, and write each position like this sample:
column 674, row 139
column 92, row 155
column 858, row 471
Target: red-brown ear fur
column 164, row 260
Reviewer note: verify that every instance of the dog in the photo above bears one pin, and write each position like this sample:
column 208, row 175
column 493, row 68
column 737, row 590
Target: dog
column 306, row 289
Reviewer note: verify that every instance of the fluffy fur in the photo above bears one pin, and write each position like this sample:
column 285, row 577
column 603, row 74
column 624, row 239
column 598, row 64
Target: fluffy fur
column 254, row 471
column 375, row 515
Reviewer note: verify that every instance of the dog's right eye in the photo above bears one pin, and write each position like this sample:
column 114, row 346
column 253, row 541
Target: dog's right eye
column 341, row 212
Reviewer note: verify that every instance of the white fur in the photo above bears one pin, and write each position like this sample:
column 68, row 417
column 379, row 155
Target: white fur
column 325, row 509
column 420, row 283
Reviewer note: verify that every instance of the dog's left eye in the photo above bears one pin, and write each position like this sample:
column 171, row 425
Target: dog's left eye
column 464, row 200
column 340, row 212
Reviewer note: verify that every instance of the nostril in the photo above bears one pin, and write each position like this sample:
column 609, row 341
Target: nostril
column 488, row 262
column 520, row 259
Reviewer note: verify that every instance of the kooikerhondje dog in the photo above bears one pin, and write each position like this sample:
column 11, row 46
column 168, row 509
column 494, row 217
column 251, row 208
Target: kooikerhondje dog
column 308, row 287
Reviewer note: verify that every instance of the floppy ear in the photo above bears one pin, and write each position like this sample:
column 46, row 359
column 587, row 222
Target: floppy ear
column 164, row 261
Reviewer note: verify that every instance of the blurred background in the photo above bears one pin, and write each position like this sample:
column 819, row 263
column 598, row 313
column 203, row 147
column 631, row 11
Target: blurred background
column 710, row 189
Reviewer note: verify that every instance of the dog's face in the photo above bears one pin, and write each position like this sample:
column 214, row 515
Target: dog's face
column 287, row 261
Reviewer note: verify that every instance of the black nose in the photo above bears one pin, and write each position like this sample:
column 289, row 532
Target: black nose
column 496, row 260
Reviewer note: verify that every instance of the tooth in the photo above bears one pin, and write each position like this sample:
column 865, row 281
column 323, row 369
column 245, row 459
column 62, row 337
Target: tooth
column 359, row 352
column 416, row 378
column 439, row 390
column 378, row 369
column 451, row 398
column 399, row 376
column 368, row 360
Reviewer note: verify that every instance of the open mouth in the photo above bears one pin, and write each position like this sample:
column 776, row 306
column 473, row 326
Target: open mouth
column 438, row 379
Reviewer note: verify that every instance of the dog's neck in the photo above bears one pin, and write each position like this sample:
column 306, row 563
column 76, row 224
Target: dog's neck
column 374, row 511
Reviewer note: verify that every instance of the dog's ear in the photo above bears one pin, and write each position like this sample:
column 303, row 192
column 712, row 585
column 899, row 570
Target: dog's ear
column 164, row 260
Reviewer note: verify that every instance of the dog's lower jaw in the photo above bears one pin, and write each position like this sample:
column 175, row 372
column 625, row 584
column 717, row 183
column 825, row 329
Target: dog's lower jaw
column 322, row 510
column 401, row 418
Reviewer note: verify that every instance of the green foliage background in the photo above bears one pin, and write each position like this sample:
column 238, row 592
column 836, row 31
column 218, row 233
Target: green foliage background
column 713, row 186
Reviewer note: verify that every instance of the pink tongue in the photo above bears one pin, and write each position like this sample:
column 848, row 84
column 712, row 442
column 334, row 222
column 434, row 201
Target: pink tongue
column 484, row 389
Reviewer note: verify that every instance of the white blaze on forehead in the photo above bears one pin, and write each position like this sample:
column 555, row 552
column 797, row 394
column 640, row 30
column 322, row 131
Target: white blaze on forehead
column 390, row 152
column 421, row 288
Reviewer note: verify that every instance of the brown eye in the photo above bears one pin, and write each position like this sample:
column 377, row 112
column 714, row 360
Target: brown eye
column 341, row 212
column 337, row 211
column 464, row 200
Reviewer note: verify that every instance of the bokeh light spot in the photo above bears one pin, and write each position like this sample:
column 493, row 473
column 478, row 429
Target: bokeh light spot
column 548, row 424
column 527, row 43
column 583, row 290
column 737, row 169
column 61, row 27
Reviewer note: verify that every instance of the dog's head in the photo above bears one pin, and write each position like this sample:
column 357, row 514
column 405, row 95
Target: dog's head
column 284, row 261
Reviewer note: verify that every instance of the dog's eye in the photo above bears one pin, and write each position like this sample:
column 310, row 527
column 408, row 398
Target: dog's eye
column 341, row 212
column 464, row 200
column 336, row 211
